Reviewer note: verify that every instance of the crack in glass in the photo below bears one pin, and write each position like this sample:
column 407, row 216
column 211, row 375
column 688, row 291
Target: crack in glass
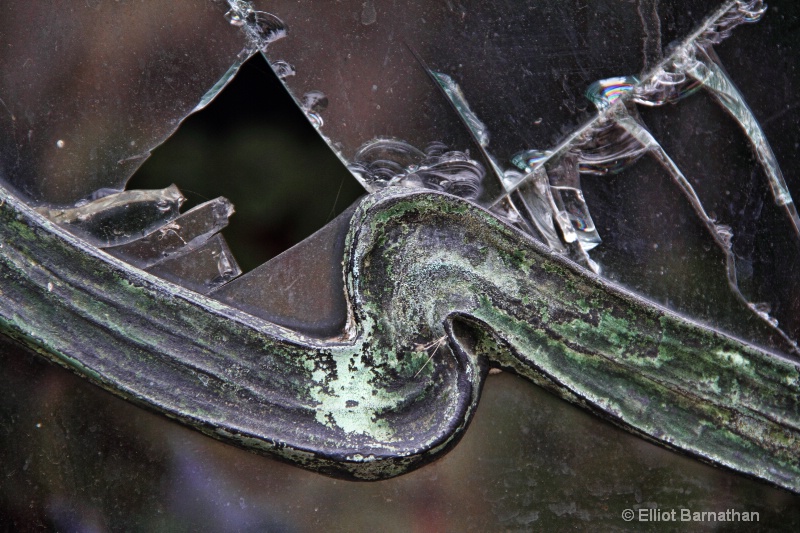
column 545, row 192
column 538, row 190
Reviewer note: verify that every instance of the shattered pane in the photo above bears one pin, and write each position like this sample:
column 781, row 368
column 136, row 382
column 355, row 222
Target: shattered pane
column 536, row 127
column 119, row 218
column 483, row 134
column 200, row 269
column 253, row 146
column 87, row 90
column 652, row 142
column 186, row 232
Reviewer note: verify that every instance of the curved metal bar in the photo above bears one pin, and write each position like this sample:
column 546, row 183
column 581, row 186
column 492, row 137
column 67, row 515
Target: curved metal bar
column 439, row 290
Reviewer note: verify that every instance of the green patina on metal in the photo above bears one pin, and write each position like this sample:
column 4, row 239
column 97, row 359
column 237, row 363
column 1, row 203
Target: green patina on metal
column 439, row 291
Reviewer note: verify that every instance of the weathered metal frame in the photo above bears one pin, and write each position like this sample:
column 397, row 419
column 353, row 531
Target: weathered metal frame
column 439, row 290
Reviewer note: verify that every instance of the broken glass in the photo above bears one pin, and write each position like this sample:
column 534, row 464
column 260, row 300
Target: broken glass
column 201, row 269
column 87, row 91
column 177, row 236
column 461, row 144
column 610, row 132
column 535, row 129
column 119, row 218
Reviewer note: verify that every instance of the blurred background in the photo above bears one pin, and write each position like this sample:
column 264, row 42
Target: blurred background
column 75, row 458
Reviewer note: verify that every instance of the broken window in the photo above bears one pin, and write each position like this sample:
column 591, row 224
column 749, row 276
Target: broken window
column 650, row 142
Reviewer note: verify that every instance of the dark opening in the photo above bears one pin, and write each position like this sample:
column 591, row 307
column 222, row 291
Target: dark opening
column 254, row 146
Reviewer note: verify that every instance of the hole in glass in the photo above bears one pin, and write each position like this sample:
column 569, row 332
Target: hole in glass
column 255, row 147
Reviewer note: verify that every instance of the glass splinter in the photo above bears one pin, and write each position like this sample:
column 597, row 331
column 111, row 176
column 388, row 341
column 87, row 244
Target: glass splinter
column 119, row 218
column 475, row 126
column 456, row 97
column 722, row 234
column 202, row 269
column 507, row 211
column 187, row 232
column 537, row 206
column 565, row 184
column 708, row 70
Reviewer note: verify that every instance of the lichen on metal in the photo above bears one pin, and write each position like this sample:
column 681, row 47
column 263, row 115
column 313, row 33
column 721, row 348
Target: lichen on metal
column 372, row 404
column 435, row 291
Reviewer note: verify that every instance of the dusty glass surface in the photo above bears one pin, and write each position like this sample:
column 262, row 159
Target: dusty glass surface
column 473, row 98
column 88, row 89
column 528, row 462
column 623, row 113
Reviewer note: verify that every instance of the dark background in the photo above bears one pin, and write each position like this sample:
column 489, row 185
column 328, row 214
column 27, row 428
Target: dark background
column 253, row 145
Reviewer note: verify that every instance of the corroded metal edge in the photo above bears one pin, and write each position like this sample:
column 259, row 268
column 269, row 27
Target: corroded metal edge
column 439, row 291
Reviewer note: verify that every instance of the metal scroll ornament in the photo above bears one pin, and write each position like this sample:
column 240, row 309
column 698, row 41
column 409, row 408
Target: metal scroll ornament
column 435, row 291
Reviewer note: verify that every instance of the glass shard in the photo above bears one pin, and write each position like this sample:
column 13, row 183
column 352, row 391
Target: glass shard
column 201, row 269
column 508, row 212
column 186, row 232
column 384, row 162
column 301, row 289
column 88, row 91
column 459, row 101
column 538, row 207
column 709, row 72
column 119, row 218
column 722, row 234
column 565, row 185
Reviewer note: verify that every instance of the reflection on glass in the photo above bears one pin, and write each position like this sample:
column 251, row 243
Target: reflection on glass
column 119, row 218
